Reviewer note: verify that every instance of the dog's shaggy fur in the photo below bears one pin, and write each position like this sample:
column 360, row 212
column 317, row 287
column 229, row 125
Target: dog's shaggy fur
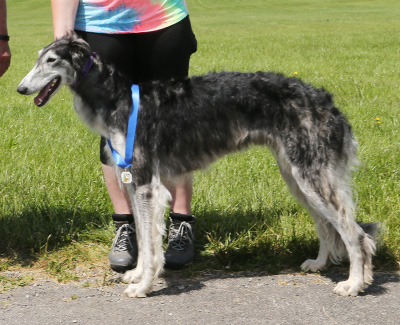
column 185, row 125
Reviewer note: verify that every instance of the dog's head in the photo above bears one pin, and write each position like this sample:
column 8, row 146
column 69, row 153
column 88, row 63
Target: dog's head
column 59, row 64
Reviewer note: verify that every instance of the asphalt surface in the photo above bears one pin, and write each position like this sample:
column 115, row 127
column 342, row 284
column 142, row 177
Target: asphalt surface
column 212, row 299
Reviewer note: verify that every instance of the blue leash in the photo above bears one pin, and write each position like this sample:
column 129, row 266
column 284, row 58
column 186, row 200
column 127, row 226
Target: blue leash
column 130, row 135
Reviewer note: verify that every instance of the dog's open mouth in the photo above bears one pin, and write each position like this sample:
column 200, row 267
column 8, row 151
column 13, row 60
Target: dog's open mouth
column 44, row 95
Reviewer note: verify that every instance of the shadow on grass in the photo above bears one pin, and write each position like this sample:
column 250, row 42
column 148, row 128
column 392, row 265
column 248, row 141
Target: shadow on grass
column 267, row 241
column 39, row 229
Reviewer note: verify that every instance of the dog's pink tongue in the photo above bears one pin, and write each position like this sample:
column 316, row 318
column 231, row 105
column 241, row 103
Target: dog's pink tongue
column 42, row 96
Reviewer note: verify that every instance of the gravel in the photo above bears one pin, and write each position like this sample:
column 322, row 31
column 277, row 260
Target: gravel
column 211, row 299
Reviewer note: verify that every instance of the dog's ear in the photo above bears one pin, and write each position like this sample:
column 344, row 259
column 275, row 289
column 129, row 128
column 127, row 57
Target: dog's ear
column 80, row 52
column 71, row 35
column 79, row 45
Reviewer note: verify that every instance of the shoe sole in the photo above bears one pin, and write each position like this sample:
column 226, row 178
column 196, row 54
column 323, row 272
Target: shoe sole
column 121, row 268
column 172, row 266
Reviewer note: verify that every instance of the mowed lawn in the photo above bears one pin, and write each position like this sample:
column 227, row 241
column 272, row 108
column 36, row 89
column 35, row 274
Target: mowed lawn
column 55, row 211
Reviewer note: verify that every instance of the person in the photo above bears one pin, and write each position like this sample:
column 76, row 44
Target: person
column 146, row 40
column 5, row 53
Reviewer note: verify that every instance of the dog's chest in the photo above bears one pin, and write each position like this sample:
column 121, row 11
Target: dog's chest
column 91, row 117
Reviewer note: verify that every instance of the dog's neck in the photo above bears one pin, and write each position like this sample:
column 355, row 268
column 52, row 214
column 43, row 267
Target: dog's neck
column 99, row 95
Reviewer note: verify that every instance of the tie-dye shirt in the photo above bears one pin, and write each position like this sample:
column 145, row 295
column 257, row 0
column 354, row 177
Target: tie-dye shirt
column 128, row 16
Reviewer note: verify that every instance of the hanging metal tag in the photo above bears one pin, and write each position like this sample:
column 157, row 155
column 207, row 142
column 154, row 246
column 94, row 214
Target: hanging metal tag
column 126, row 177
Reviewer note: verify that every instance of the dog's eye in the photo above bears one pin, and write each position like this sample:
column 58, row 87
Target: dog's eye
column 49, row 60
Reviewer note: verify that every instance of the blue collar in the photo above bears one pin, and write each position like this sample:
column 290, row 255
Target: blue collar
column 130, row 135
column 85, row 70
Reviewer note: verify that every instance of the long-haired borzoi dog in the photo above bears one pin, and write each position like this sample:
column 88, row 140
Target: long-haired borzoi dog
column 184, row 125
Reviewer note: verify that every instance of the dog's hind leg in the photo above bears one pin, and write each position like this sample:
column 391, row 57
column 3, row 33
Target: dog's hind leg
column 322, row 260
column 327, row 195
column 149, row 202
column 323, row 254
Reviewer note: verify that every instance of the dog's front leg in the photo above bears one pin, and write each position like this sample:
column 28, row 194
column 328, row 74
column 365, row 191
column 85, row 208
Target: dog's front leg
column 148, row 206
column 144, row 272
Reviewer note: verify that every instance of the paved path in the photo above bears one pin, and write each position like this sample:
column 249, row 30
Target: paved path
column 214, row 299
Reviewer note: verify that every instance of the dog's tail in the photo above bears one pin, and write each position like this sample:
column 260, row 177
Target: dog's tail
column 371, row 229
column 368, row 247
column 371, row 232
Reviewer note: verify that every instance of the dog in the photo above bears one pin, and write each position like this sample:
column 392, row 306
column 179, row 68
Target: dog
column 184, row 125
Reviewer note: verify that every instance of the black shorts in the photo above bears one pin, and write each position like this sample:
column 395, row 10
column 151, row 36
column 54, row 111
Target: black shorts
column 158, row 55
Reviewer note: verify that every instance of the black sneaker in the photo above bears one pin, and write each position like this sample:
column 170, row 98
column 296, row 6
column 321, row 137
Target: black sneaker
column 123, row 254
column 180, row 249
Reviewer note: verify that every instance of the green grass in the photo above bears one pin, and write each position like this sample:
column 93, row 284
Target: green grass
column 52, row 194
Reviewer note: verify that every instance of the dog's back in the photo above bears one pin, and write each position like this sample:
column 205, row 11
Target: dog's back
column 204, row 117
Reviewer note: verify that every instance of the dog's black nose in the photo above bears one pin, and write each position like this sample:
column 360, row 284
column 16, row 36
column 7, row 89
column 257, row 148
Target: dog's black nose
column 22, row 90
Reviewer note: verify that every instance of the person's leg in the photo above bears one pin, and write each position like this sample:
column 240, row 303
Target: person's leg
column 148, row 56
column 169, row 51
column 180, row 250
column 165, row 54
column 181, row 192
column 119, row 198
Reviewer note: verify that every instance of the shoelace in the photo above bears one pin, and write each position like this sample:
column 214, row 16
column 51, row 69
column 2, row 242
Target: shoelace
column 180, row 237
column 122, row 241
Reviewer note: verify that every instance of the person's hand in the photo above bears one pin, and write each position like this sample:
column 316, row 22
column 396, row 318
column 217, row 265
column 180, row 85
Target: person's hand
column 5, row 56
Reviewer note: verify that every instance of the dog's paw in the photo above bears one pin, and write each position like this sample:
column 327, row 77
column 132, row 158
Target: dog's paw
column 133, row 276
column 348, row 288
column 134, row 291
column 313, row 265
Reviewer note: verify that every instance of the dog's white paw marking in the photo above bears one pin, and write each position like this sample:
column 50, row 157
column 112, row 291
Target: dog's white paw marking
column 133, row 276
column 133, row 291
column 348, row 288
column 312, row 265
